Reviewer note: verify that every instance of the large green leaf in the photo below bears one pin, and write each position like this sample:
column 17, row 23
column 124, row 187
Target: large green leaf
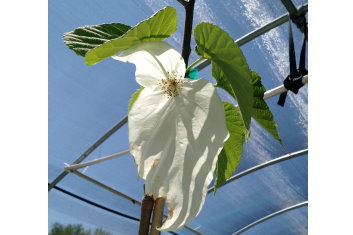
column 229, row 66
column 134, row 97
column 229, row 158
column 158, row 27
column 261, row 112
column 83, row 39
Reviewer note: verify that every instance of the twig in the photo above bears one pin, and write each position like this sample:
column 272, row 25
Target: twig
column 189, row 14
column 146, row 210
column 157, row 216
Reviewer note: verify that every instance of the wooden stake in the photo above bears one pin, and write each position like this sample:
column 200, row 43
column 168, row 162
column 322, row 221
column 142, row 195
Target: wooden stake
column 157, row 216
column 146, row 210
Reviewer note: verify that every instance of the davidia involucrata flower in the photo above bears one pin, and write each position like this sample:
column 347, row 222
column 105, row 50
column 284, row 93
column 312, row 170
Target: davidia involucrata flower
column 176, row 130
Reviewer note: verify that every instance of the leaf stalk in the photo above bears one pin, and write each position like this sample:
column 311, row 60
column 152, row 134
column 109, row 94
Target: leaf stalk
column 195, row 63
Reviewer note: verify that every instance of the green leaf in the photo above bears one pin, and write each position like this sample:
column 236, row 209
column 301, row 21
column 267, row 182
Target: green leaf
column 229, row 158
column 157, row 28
column 229, row 66
column 261, row 112
column 83, row 39
column 134, row 97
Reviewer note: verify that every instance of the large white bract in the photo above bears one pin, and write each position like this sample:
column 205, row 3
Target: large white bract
column 176, row 130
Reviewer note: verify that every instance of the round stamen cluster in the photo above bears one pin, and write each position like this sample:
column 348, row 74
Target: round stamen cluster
column 172, row 84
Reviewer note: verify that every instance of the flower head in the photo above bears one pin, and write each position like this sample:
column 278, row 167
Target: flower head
column 176, row 130
column 172, row 83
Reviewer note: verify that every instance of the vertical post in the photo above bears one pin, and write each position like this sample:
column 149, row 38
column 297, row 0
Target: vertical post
column 189, row 15
column 157, row 216
column 146, row 210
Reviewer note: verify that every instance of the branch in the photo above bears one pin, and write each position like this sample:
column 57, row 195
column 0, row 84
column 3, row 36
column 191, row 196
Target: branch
column 189, row 14
column 146, row 210
column 157, row 216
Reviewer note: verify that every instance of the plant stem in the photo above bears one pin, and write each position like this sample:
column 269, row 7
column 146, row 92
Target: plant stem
column 157, row 216
column 189, row 14
column 146, row 210
column 195, row 63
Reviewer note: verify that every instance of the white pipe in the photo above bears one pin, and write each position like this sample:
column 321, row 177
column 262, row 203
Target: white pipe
column 305, row 203
column 260, row 166
column 95, row 161
column 104, row 186
column 280, row 89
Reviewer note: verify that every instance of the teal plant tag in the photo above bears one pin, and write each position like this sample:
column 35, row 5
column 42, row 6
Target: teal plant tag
column 192, row 74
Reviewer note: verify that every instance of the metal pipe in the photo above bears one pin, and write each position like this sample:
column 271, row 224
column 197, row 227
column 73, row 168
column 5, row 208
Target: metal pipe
column 258, row 32
column 105, row 187
column 290, row 7
column 297, row 15
column 90, row 150
column 95, row 204
column 95, row 161
column 260, row 166
column 270, row 216
column 280, row 89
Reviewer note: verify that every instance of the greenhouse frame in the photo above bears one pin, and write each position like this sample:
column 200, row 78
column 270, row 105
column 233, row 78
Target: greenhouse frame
column 93, row 179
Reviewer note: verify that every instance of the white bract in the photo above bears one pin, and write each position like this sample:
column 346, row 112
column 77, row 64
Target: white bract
column 176, row 130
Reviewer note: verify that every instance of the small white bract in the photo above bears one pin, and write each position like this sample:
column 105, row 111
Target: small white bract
column 176, row 130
